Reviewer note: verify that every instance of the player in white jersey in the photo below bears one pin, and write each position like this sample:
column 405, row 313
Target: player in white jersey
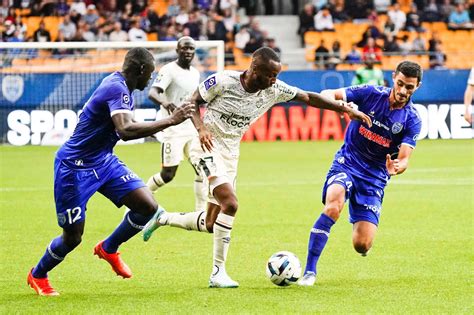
column 175, row 83
column 235, row 100
column 468, row 97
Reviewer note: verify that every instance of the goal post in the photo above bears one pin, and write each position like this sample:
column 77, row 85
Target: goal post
column 45, row 85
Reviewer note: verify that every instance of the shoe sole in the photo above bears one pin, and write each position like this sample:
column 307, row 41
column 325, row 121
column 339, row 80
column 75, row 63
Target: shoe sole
column 219, row 286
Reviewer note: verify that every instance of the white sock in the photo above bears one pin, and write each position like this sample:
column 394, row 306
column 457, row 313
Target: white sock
column 155, row 182
column 191, row 221
column 200, row 193
column 222, row 229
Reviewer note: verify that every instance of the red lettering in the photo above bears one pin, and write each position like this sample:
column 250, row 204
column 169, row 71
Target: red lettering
column 303, row 127
column 278, row 125
column 331, row 126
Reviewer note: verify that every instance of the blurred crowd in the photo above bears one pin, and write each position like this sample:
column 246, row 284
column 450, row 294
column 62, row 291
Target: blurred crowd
column 387, row 37
column 137, row 20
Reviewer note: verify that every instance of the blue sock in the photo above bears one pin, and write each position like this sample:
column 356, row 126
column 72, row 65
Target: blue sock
column 132, row 224
column 53, row 256
column 317, row 240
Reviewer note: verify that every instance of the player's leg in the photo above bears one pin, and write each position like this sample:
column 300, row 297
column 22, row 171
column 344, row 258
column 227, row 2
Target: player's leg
column 201, row 185
column 172, row 153
column 123, row 187
column 334, row 196
column 222, row 217
column 364, row 214
column 72, row 190
column 165, row 176
column 363, row 234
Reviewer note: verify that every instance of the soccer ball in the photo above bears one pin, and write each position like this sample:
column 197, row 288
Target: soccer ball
column 283, row 268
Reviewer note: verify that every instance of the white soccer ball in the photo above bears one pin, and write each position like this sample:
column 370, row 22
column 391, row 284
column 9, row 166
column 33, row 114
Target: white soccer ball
column 283, row 268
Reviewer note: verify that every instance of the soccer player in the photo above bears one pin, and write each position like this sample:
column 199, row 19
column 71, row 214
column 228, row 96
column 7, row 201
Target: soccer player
column 234, row 101
column 368, row 158
column 468, row 97
column 86, row 164
column 174, row 84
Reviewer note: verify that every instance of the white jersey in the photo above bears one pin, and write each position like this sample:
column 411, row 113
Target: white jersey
column 178, row 85
column 231, row 110
column 470, row 81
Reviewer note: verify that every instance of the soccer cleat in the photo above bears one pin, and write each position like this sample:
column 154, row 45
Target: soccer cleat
column 222, row 280
column 308, row 279
column 118, row 265
column 153, row 224
column 41, row 285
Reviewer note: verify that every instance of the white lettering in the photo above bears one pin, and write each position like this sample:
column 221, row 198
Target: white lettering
column 437, row 121
column 41, row 122
column 423, row 112
column 19, row 133
column 460, row 128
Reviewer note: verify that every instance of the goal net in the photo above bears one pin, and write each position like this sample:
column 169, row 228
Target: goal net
column 45, row 85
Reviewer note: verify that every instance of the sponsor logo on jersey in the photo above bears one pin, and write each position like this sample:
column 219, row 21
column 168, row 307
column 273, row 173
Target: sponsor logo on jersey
column 397, row 127
column 12, row 87
column 210, row 83
column 378, row 123
column 236, row 120
column 372, row 136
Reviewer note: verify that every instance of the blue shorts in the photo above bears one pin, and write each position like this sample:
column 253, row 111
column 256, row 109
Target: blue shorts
column 74, row 186
column 365, row 199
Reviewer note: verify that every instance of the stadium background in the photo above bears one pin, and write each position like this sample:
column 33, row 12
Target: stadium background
column 37, row 84
column 421, row 262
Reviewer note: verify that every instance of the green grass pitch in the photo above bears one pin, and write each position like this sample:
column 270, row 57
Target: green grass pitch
column 421, row 262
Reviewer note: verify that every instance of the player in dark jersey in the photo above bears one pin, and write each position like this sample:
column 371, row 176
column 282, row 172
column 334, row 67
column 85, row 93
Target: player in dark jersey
column 86, row 164
column 368, row 158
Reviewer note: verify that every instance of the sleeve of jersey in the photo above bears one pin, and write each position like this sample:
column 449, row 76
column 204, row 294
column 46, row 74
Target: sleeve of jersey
column 211, row 87
column 284, row 92
column 357, row 93
column 120, row 100
column 470, row 81
column 163, row 79
column 412, row 131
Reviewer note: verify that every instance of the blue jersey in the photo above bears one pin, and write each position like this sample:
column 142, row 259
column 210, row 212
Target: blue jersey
column 364, row 150
column 95, row 136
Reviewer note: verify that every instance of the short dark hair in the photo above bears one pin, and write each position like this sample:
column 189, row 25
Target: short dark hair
column 136, row 57
column 266, row 53
column 410, row 69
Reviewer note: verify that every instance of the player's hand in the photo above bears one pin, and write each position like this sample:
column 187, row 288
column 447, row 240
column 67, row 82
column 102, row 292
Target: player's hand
column 182, row 113
column 392, row 165
column 206, row 139
column 170, row 107
column 355, row 114
column 468, row 115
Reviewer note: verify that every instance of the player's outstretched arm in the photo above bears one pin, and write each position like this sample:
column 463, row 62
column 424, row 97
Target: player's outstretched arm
column 400, row 164
column 204, row 135
column 128, row 129
column 332, row 103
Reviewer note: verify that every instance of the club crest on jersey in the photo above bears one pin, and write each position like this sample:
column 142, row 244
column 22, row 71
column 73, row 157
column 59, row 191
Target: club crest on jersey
column 397, row 127
column 125, row 101
column 210, row 83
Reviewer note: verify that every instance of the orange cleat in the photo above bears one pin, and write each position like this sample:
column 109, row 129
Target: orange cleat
column 41, row 285
column 120, row 268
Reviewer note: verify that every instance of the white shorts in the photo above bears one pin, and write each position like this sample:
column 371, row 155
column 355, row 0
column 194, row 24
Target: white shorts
column 217, row 166
column 174, row 150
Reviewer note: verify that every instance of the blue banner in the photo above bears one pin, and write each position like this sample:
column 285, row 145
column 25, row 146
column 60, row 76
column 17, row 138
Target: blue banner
column 72, row 90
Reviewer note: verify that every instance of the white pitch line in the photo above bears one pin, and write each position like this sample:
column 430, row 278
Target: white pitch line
column 447, row 182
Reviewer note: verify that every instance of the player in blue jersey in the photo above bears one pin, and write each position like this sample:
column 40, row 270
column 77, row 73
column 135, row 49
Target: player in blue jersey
column 86, row 164
column 368, row 158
